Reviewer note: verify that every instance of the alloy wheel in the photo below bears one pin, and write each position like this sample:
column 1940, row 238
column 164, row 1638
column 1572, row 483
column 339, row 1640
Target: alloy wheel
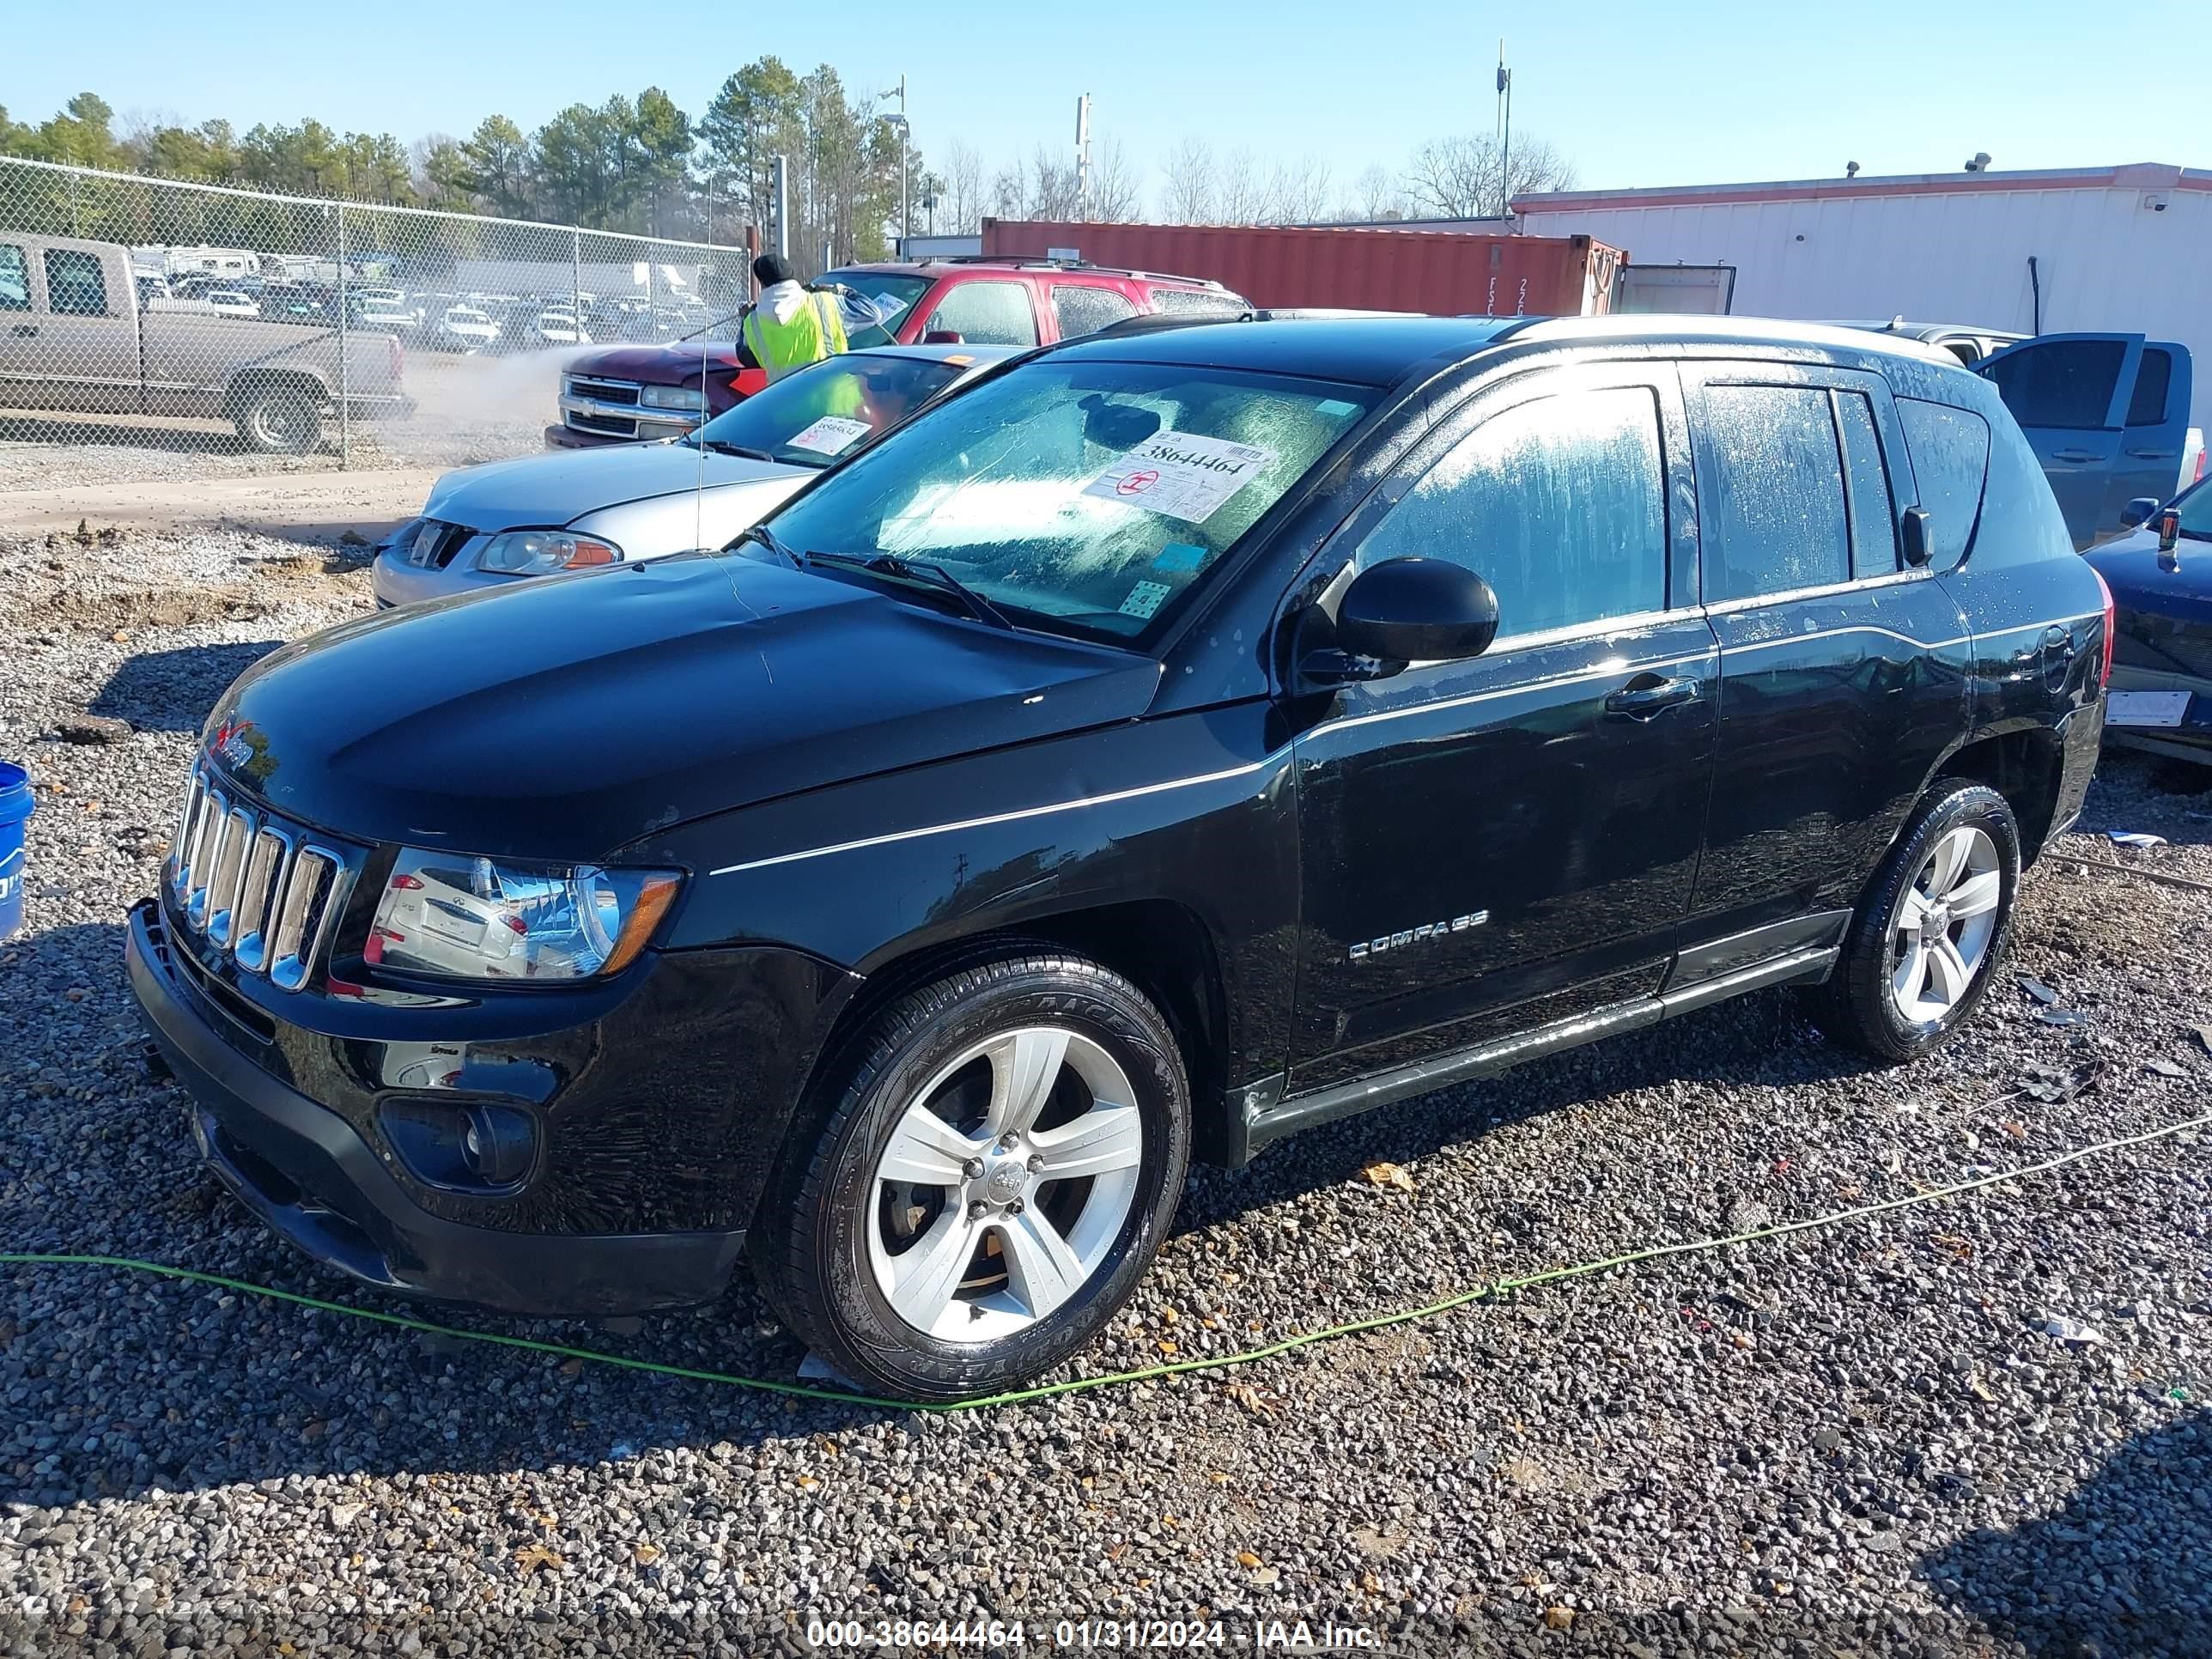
column 1005, row 1184
column 1940, row 934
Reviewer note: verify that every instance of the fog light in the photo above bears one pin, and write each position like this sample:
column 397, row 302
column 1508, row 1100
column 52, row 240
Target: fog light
column 499, row 1143
column 467, row 1147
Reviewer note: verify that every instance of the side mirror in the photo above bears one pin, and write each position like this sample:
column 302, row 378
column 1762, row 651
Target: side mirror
column 1918, row 549
column 2139, row 511
column 1406, row 611
column 943, row 337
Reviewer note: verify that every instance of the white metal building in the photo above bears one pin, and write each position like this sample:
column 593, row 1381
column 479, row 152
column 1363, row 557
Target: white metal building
column 2111, row 249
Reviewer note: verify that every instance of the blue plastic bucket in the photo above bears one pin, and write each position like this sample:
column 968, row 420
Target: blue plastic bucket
column 14, row 807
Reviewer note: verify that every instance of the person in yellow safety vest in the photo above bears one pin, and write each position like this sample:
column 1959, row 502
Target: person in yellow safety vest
column 789, row 328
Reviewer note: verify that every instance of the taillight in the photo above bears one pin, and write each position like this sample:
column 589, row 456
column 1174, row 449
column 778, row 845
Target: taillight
column 2105, row 677
column 2203, row 455
column 391, row 352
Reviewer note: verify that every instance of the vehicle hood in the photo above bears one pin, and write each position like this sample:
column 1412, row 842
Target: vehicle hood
column 562, row 485
column 561, row 718
column 2163, row 619
column 653, row 365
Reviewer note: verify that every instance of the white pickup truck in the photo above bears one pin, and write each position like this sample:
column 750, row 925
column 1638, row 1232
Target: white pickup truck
column 75, row 336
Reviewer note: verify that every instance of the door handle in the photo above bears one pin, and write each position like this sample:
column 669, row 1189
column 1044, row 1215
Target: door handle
column 2154, row 454
column 1648, row 695
column 2078, row 456
column 24, row 331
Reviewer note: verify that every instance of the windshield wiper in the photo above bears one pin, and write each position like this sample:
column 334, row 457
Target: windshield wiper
column 722, row 448
column 774, row 544
column 928, row 575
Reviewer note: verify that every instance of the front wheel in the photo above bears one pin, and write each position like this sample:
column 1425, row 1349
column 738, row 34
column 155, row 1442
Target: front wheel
column 1934, row 925
column 995, row 1176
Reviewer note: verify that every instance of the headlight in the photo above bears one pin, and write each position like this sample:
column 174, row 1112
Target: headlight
column 542, row 552
column 460, row 917
column 672, row 397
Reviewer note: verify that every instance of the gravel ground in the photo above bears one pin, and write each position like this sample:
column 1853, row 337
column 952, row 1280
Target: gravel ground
column 1858, row 1439
column 469, row 410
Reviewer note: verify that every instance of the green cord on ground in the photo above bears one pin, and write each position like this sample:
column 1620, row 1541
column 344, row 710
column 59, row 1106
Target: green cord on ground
column 1176, row 1368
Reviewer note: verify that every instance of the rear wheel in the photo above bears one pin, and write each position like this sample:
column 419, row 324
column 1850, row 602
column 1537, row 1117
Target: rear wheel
column 995, row 1174
column 1934, row 925
column 279, row 420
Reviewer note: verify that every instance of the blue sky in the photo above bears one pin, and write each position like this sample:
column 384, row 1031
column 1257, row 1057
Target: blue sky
column 1636, row 95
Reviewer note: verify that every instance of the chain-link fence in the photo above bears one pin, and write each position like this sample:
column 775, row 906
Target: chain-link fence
column 206, row 319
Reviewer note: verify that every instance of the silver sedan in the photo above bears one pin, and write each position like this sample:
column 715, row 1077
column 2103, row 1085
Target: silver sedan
column 484, row 526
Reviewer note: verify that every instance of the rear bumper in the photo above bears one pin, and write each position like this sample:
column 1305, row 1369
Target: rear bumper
column 376, row 407
column 2191, row 740
column 310, row 1176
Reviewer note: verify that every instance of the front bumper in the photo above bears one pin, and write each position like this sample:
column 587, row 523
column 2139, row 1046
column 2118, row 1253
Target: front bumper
column 394, row 581
column 310, row 1175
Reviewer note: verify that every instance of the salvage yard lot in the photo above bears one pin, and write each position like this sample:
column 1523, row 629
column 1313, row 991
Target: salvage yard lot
column 1858, row 1438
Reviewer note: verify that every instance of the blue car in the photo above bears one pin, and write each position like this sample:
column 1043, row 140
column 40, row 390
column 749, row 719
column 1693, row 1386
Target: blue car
column 2160, row 579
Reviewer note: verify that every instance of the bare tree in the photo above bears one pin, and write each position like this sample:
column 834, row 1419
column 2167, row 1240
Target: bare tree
column 1378, row 193
column 960, row 204
column 1117, row 194
column 1192, row 182
column 1298, row 191
column 1460, row 178
column 1043, row 187
column 1242, row 195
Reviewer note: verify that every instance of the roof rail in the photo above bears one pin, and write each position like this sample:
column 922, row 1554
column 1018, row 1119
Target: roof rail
column 1045, row 262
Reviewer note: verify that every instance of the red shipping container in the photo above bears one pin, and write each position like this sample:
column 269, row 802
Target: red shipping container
column 1362, row 268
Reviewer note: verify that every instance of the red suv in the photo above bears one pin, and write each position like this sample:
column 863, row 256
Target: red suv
column 625, row 393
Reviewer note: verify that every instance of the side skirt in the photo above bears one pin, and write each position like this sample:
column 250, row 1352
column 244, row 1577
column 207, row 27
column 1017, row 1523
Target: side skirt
column 1260, row 1127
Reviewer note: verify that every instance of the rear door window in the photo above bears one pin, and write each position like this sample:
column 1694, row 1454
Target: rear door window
column 1772, row 492
column 986, row 313
column 1950, row 458
column 1874, row 512
column 15, row 279
column 1558, row 503
column 2059, row 383
column 1081, row 308
column 2147, row 405
column 75, row 286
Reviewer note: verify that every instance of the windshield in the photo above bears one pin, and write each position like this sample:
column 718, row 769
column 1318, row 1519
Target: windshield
column 2196, row 507
column 1086, row 498
column 890, row 294
column 812, row 417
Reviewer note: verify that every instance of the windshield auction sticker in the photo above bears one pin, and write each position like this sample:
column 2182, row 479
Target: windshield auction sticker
column 1182, row 475
column 833, row 434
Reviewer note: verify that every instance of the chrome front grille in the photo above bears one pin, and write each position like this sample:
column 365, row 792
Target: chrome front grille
column 254, row 887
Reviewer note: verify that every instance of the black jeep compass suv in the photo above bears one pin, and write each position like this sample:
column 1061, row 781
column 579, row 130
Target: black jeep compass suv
column 1179, row 737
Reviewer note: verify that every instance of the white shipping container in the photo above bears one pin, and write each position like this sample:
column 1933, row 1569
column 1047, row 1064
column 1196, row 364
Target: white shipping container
column 2115, row 249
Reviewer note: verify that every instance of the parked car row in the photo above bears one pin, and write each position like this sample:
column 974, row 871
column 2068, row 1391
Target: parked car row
column 1165, row 740
column 630, row 393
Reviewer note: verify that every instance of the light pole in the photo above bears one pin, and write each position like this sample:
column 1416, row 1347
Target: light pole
column 906, row 210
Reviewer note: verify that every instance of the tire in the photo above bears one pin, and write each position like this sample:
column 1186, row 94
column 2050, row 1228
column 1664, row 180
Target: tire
column 279, row 420
column 878, row 1260
column 1882, row 997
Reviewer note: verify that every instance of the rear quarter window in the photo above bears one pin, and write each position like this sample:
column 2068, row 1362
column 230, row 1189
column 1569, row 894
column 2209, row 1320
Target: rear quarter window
column 1192, row 303
column 1950, row 449
column 2020, row 520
